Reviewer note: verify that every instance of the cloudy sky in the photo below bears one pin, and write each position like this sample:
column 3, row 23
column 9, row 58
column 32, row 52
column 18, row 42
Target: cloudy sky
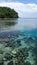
column 25, row 8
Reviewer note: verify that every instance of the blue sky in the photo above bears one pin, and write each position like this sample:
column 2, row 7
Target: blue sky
column 25, row 8
column 23, row 1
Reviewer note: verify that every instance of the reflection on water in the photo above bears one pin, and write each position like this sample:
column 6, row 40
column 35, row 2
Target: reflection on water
column 18, row 43
column 6, row 24
column 22, row 24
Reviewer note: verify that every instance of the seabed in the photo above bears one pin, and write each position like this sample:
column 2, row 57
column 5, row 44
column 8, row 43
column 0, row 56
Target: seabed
column 18, row 48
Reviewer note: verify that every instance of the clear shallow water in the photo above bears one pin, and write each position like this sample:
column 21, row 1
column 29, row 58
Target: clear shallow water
column 19, row 40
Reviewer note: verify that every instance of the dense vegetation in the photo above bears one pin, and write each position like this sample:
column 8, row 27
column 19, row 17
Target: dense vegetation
column 6, row 12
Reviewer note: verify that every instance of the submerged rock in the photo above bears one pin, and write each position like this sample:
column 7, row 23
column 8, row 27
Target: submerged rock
column 10, row 63
column 1, row 51
column 1, row 62
column 8, row 56
column 30, row 40
column 21, row 56
column 10, row 45
column 18, row 41
column 27, row 63
column 22, row 63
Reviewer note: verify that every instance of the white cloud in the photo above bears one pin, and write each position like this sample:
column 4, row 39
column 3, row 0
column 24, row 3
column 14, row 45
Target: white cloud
column 21, row 8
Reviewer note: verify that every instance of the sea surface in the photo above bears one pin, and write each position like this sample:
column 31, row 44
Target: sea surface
column 18, row 43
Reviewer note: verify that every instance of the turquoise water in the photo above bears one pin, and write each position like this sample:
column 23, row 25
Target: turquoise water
column 18, row 43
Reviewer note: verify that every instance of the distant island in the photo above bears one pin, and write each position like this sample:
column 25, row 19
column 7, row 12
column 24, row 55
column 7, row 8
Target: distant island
column 6, row 12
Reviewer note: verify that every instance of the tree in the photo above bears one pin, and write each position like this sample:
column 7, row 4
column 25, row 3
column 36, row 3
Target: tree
column 6, row 12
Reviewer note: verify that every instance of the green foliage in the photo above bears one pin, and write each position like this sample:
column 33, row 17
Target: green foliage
column 6, row 12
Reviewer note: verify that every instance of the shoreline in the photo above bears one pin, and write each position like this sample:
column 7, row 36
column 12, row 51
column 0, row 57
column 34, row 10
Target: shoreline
column 8, row 18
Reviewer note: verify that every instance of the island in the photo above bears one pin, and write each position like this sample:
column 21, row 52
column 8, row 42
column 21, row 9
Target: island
column 6, row 12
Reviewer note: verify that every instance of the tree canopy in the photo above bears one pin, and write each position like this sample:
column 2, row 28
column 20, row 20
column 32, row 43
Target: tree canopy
column 6, row 12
